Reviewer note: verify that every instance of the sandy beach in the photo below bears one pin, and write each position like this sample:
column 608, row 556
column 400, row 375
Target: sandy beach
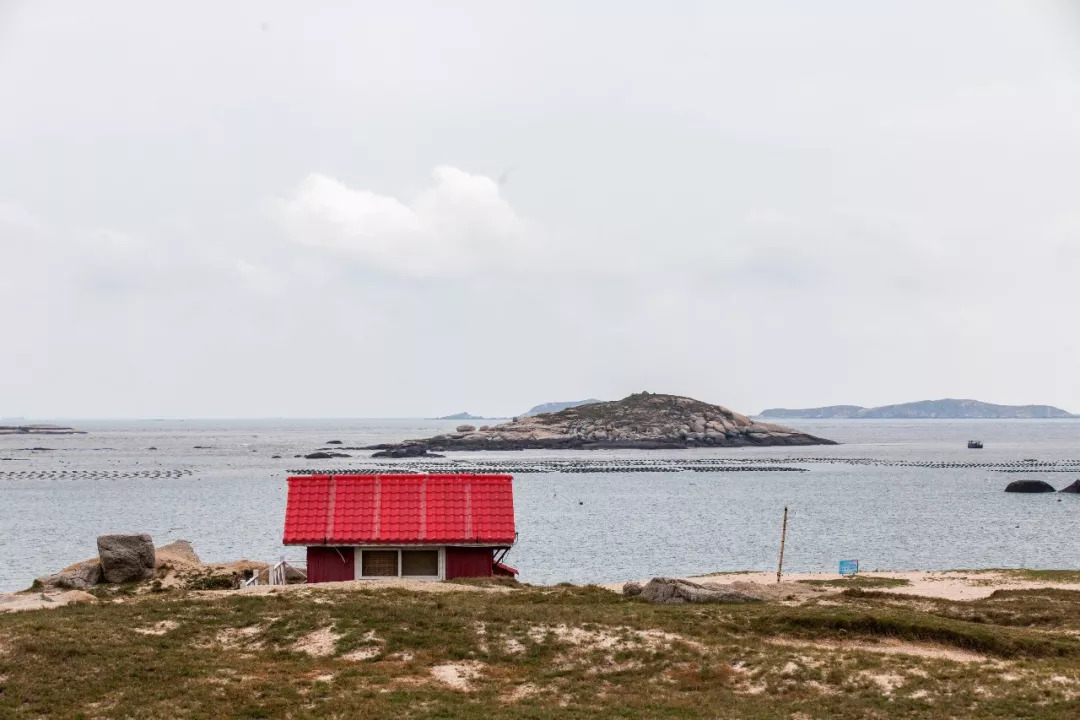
column 944, row 584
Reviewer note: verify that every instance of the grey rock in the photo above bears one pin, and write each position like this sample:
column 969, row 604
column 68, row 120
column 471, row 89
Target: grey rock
column 126, row 557
column 1029, row 486
column 672, row 591
column 466, row 428
column 1072, row 489
column 294, row 575
column 632, row 589
column 77, row 577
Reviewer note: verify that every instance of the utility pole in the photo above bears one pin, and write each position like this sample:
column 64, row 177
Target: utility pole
column 783, row 537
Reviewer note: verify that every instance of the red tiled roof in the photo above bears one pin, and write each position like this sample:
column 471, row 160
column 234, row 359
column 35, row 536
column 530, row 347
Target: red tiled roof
column 399, row 509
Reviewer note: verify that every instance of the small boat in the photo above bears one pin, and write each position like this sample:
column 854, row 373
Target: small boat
column 974, row 444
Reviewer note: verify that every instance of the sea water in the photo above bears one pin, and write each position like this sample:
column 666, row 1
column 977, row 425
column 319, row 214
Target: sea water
column 216, row 484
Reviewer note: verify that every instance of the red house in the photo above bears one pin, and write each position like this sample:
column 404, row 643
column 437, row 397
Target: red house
column 433, row 527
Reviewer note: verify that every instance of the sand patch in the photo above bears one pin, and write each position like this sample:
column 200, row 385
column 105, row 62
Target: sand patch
column 232, row 638
column 887, row 682
column 521, row 692
column 319, row 643
column 157, row 628
column 513, row 646
column 612, row 638
column 372, row 649
column 459, row 676
column 18, row 602
column 886, row 647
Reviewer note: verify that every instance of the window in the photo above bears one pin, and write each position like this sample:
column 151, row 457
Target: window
column 420, row 563
column 379, row 563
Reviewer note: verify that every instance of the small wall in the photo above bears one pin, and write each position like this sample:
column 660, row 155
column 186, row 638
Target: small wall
column 328, row 564
column 468, row 562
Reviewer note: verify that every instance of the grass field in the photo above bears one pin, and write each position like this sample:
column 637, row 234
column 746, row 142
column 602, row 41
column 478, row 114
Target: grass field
column 552, row 652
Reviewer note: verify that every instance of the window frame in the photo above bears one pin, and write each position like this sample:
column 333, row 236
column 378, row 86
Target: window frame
column 358, row 561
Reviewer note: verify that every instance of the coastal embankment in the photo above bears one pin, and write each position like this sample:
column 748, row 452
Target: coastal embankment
column 812, row 647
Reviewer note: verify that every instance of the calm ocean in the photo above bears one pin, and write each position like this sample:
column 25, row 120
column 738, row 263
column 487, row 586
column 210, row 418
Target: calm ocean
column 215, row 483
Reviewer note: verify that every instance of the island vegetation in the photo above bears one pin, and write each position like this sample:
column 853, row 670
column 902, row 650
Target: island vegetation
column 642, row 421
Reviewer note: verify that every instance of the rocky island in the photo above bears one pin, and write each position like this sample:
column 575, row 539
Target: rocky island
column 640, row 421
column 39, row 430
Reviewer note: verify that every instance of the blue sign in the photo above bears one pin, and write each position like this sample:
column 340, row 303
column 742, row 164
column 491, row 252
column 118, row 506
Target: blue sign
column 849, row 567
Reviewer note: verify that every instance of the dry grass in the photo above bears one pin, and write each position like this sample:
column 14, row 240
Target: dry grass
column 542, row 653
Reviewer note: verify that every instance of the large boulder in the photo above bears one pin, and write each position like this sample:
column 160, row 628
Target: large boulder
column 670, row 591
column 79, row 576
column 466, row 428
column 126, row 557
column 1074, row 488
column 1029, row 486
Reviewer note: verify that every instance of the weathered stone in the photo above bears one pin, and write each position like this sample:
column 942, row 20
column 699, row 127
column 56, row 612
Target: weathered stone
column 632, row 589
column 126, row 557
column 1029, row 486
column 294, row 575
column 77, row 577
column 670, row 591
column 466, row 428
column 178, row 550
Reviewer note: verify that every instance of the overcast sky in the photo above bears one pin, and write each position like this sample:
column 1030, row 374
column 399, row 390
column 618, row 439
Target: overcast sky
column 272, row 208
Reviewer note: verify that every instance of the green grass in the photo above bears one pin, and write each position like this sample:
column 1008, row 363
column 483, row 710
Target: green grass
column 1056, row 576
column 539, row 652
column 859, row 581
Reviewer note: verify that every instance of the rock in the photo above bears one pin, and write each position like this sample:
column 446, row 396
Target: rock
column 178, row 550
column 670, row 591
column 1029, row 486
column 79, row 576
column 323, row 455
column 126, row 557
column 631, row 589
column 294, row 575
column 333, row 442
column 74, row 596
column 404, row 451
column 466, row 428
column 275, row 457
column 1074, row 488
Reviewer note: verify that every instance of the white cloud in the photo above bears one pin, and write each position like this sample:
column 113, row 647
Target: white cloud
column 458, row 224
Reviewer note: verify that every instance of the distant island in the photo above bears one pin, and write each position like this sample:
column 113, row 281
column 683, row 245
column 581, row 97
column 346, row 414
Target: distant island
column 553, row 407
column 39, row 430
column 947, row 409
column 461, row 416
column 640, row 421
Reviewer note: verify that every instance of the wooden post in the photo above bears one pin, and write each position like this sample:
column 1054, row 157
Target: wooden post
column 783, row 537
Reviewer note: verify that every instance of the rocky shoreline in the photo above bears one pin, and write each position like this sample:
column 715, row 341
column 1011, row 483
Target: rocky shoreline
column 643, row 421
column 39, row 430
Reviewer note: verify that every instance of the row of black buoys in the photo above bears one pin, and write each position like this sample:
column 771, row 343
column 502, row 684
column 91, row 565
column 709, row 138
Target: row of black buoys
column 1040, row 486
column 93, row 474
